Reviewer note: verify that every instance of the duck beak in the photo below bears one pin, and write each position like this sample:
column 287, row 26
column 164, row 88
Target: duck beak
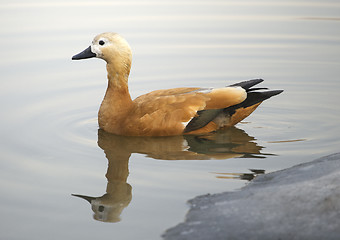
column 87, row 53
column 87, row 198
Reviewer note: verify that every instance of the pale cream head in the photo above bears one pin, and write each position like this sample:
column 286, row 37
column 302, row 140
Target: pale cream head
column 110, row 46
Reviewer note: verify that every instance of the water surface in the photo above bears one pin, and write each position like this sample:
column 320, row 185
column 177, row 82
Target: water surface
column 50, row 144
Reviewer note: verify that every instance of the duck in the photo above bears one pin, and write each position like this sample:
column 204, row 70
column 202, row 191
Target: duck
column 166, row 112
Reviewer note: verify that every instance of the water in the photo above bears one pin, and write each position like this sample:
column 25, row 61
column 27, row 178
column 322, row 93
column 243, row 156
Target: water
column 50, row 144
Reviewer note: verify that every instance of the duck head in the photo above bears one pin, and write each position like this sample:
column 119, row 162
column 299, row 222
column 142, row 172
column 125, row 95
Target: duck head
column 110, row 47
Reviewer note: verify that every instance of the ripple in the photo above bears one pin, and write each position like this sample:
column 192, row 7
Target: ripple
column 78, row 126
column 288, row 141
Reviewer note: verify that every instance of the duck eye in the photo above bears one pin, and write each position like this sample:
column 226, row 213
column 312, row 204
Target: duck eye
column 101, row 42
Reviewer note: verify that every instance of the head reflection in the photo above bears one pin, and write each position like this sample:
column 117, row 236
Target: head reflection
column 224, row 144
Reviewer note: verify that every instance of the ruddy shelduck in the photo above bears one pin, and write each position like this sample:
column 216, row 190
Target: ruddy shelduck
column 166, row 112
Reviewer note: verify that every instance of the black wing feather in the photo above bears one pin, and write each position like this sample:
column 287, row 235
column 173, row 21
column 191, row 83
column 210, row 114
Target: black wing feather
column 202, row 119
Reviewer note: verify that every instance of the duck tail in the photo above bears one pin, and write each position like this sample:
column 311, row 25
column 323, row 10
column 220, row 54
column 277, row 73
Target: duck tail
column 236, row 113
column 254, row 98
column 253, row 94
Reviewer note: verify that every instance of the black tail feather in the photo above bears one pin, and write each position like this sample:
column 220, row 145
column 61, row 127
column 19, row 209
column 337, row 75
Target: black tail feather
column 253, row 96
column 256, row 97
column 247, row 84
column 252, row 99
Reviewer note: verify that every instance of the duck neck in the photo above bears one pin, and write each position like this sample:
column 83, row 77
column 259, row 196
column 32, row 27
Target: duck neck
column 118, row 79
column 117, row 100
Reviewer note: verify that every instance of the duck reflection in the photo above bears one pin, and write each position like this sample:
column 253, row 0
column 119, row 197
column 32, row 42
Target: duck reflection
column 242, row 176
column 224, row 144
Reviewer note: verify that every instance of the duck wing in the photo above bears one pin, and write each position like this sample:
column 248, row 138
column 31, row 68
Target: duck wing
column 167, row 112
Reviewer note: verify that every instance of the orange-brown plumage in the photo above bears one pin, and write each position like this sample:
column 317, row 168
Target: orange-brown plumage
column 163, row 112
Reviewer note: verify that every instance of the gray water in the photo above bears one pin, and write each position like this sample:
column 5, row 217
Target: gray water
column 50, row 144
